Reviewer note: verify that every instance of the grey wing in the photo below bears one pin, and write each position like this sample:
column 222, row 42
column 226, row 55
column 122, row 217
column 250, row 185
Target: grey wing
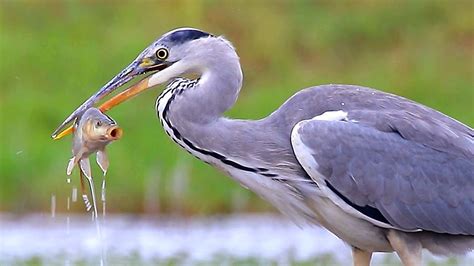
column 377, row 167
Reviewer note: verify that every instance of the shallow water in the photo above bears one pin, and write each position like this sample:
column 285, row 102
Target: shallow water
column 131, row 240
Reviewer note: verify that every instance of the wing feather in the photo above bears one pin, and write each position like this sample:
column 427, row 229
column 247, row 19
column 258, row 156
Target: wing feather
column 394, row 162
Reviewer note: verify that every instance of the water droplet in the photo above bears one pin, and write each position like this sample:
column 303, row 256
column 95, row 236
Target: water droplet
column 68, row 180
column 53, row 205
column 342, row 104
column 102, row 197
column 74, row 194
column 102, row 194
column 68, row 203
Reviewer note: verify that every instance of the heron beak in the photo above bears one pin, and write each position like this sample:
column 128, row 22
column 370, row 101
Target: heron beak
column 137, row 67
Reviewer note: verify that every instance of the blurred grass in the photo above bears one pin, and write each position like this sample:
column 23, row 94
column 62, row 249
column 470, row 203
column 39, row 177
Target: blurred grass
column 55, row 54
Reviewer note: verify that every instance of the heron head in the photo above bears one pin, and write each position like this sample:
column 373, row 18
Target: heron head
column 177, row 52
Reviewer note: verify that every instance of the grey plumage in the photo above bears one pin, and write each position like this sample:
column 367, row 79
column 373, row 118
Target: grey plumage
column 381, row 172
column 412, row 163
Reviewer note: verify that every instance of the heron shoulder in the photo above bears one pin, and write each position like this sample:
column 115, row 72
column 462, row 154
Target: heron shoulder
column 383, row 111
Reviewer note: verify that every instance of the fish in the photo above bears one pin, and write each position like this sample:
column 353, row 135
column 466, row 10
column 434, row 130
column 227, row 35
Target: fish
column 93, row 131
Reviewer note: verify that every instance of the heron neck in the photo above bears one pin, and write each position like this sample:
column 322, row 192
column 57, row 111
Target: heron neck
column 196, row 113
column 193, row 117
column 216, row 92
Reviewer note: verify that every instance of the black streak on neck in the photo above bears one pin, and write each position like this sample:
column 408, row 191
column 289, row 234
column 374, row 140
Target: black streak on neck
column 222, row 158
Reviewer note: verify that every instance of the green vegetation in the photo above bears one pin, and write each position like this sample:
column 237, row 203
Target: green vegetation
column 53, row 55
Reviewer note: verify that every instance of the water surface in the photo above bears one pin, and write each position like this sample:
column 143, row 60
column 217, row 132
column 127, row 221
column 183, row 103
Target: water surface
column 133, row 240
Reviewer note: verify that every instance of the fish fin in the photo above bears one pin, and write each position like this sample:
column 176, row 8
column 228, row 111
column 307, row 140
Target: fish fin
column 86, row 167
column 102, row 160
column 70, row 165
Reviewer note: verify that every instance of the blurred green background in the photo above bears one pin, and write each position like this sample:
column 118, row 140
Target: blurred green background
column 53, row 55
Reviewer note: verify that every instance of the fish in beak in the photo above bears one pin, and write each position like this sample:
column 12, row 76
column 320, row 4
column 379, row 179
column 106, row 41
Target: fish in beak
column 93, row 132
column 139, row 66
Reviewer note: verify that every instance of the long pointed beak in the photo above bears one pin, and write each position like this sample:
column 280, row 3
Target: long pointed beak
column 137, row 67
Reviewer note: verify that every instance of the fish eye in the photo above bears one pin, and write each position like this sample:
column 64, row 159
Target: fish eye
column 162, row 53
column 98, row 123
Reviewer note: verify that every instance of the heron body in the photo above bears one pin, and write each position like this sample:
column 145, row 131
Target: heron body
column 379, row 171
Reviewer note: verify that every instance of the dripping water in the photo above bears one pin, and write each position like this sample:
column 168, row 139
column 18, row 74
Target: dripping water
column 74, row 194
column 68, row 226
column 53, row 206
column 102, row 198
column 91, row 206
column 68, row 207
column 94, row 214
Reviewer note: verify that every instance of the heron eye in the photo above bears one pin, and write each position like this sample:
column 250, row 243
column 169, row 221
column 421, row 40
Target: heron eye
column 162, row 53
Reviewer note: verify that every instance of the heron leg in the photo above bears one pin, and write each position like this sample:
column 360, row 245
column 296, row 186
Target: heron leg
column 361, row 257
column 407, row 248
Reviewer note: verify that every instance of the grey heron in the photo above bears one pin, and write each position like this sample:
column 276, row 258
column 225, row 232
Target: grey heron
column 381, row 172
